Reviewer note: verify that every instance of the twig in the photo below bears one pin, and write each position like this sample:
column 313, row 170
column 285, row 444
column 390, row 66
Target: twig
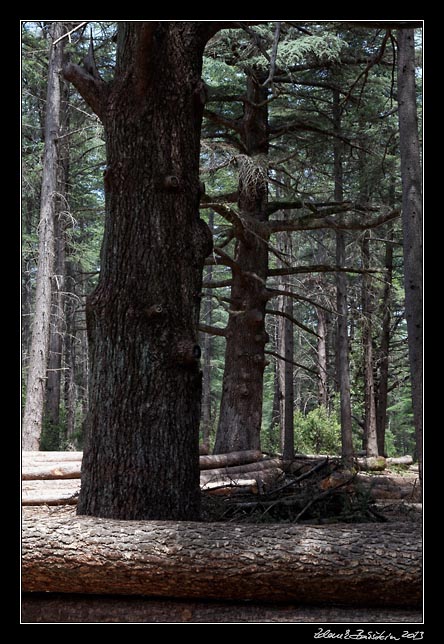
column 68, row 34
column 273, row 56
column 296, row 364
column 322, row 495
column 303, row 476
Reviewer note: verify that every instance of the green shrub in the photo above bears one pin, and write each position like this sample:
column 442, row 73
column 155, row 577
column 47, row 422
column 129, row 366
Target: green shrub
column 317, row 432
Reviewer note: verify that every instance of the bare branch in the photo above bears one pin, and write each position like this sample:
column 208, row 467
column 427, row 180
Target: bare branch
column 320, row 268
column 93, row 90
column 217, row 284
column 357, row 222
column 223, row 259
column 296, row 296
column 293, row 320
column 212, row 330
column 274, row 51
column 296, row 364
column 223, row 120
column 68, row 34
column 229, row 214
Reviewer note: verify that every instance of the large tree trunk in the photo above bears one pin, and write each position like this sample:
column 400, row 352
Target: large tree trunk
column 241, row 404
column 342, row 356
column 361, row 565
column 411, row 220
column 38, row 355
column 141, row 454
column 370, row 435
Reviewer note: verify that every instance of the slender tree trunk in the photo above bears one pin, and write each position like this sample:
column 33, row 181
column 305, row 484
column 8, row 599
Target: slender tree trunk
column 207, row 310
column 27, row 289
column 285, row 367
column 285, row 371
column 370, row 435
column 35, row 394
column 241, row 405
column 57, row 328
column 141, row 453
column 69, row 388
column 275, row 411
column 54, row 372
column 322, row 356
column 384, row 348
column 411, row 220
column 342, row 357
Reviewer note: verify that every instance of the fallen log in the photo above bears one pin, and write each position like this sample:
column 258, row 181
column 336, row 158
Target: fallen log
column 82, row 609
column 55, row 492
column 231, row 488
column 372, row 463
column 360, row 564
column 400, row 460
column 46, row 457
column 253, row 481
column 212, row 461
column 378, row 486
column 62, row 470
column 232, row 472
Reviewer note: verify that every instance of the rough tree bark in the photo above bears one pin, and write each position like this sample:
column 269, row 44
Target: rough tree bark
column 342, row 357
column 38, row 354
column 241, row 404
column 360, row 564
column 141, row 454
column 411, row 220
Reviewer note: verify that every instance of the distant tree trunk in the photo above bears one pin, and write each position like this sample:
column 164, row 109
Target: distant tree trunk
column 206, row 315
column 69, row 390
column 241, row 405
column 35, row 393
column 322, row 356
column 370, row 435
column 342, row 357
column 27, row 289
column 285, row 371
column 53, row 379
column 384, row 347
column 141, row 452
column 275, row 410
column 411, row 219
column 57, row 327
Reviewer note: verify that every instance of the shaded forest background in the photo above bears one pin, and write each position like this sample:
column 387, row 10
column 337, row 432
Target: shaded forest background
column 333, row 85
